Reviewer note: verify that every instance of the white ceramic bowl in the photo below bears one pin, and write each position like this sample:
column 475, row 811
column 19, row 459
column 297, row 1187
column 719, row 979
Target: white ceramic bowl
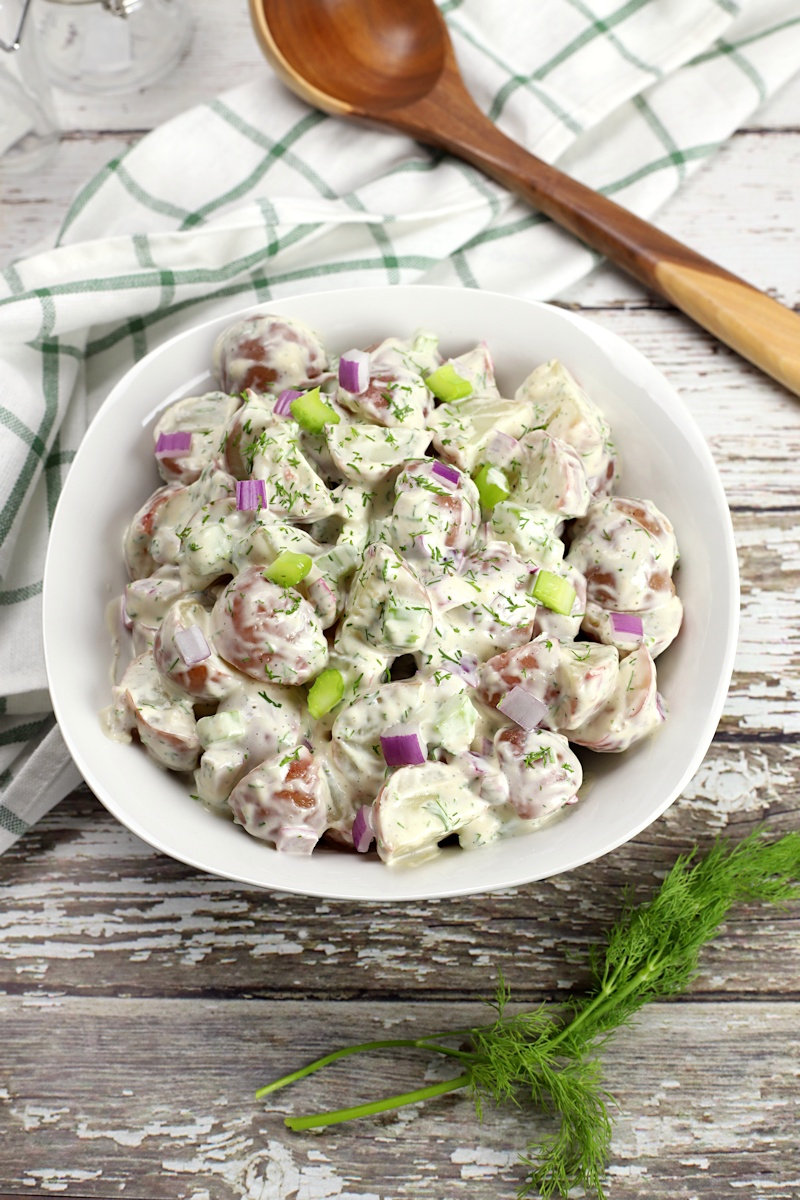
column 663, row 458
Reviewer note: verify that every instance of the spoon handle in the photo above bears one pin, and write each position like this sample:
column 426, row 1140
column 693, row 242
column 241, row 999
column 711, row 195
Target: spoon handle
column 759, row 328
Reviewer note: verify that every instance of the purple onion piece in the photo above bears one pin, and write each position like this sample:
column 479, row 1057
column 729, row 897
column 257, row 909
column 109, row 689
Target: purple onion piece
column 627, row 623
column 447, row 474
column 403, row 746
column 192, row 645
column 467, row 668
column 283, row 405
column 501, row 449
column 522, row 707
column 363, row 833
column 354, row 371
column 173, row 444
column 251, row 494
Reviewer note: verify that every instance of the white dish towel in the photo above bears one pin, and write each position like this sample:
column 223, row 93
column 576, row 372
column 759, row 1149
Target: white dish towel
column 254, row 196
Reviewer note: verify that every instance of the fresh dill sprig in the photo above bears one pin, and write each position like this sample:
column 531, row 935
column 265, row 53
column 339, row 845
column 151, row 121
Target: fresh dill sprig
column 548, row 1057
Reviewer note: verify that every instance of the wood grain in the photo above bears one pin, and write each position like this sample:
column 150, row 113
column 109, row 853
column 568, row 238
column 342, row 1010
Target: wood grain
column 141, row 1002
column 707, row 1100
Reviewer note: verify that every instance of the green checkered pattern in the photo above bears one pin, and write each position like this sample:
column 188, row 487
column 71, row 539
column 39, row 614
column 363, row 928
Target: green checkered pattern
column 254, row 196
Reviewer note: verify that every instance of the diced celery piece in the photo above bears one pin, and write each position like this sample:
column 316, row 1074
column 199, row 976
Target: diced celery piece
column 455, row 724
column 554, row 592
column 311, row 411
column 288, row 568
column 325, row 692
column 492, row 486
column 446, row 384
column 220, row 727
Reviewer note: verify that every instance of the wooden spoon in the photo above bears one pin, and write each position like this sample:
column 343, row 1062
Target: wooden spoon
column 392, row 62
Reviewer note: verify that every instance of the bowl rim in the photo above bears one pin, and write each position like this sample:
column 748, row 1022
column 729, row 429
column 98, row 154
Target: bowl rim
column 633, row 362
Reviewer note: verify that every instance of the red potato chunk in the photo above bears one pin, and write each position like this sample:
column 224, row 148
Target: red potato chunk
column 138, row 543
column 532, row 666
column 269, row 354
column 210, row 679
column 163, row 719
column 547, row 473
column 430, row 520
column 153, row 537
column 633, row 710
column 267, row 631
column 204, row 417
column 270, row 725
column 284, row 801
column 626, row 550
column 660, row 627
column 396, row 393
column 563, row 408
column 543, row 773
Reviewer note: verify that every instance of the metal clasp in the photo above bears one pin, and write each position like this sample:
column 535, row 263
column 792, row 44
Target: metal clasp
column 10, row 47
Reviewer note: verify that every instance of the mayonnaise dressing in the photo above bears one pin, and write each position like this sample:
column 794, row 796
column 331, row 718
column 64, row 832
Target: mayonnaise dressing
column 412, row 593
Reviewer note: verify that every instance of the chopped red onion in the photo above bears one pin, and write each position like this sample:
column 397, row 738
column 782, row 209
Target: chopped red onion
column 192, row 645
column 448, row 475
column 402, row 746
column 282, row 406
column 170, row 444
column 251, row 494
column 475, row 764
column 661, row 707
column 354, row 371
column 523, row 707
column 501, row 449
column 127, row 623
column 467, row 668
column 363, row 833
column 627, row 623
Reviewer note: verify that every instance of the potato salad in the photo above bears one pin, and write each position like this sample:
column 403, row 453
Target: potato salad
column 378, row 606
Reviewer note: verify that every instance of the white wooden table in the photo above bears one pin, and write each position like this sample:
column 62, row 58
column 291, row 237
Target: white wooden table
column 141, row 1003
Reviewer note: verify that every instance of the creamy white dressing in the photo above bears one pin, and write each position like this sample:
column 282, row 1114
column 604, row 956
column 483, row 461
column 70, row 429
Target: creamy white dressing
column 419, row 598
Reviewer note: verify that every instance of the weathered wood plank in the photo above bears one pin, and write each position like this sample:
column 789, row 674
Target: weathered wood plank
column 156, row 1100
column 752, row 425
column 87, row 908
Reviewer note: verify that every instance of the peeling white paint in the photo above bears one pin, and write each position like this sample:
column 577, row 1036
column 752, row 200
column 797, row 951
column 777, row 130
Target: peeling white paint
column 271, row 1173
column 190, row 1131
column 630, row 1171
column 741, row 782
column 765, row 1184
column 34, row 1116
column 482, row 1162
column 57, row 1179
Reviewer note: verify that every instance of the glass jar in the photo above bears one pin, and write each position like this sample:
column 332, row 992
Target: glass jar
column 28, row 130
column 112, row 46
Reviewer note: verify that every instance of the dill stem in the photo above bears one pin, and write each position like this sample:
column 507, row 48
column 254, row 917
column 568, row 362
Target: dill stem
column 609, row 993
column 337, row 1115
column 326, row 1059
column 429, row 1042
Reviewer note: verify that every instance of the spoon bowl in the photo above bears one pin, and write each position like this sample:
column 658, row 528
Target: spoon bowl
column 391, row 62
column 358, row 56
